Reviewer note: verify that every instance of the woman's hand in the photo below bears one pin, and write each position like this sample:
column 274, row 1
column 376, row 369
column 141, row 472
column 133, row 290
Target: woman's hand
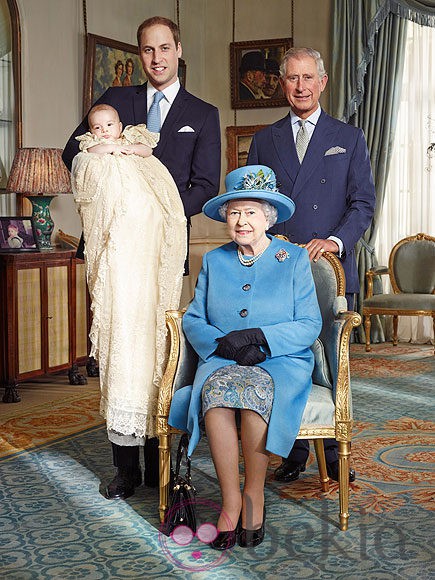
column 231, row 343
column 250, row 355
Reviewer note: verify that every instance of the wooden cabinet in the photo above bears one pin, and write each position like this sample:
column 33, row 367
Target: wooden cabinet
column 44, row 315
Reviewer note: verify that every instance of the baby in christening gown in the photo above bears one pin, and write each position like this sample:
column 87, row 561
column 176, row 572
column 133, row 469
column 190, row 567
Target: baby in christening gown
column 135, row 246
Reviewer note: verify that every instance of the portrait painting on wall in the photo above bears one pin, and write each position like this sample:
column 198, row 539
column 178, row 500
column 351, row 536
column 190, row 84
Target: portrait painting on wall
column 110, row 63
column 18, row 234
column 238, row 143
column 254, row 67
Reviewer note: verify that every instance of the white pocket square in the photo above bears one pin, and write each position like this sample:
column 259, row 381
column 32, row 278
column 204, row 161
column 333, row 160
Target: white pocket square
column 335, row 150
column 186, row 129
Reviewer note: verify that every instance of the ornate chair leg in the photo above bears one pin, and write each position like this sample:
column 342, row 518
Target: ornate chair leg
column 367, row 325
column 164, row 473
column 395, row 325
column 343, row 482
column 321, row 462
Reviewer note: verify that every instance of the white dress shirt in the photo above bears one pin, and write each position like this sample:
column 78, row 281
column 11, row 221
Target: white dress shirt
column 165, row 104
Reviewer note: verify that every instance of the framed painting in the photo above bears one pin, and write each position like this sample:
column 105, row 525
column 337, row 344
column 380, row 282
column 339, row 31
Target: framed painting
column 111, row 63
column 18, row 234
column 238, row 143
column 254, row 68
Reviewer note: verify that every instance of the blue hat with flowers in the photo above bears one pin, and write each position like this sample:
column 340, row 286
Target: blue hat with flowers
column 257, row 182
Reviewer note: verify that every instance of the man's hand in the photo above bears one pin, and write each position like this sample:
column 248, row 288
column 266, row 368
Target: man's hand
column 316, row 248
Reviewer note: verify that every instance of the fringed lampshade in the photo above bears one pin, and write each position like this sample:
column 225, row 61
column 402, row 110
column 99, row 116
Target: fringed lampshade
column 39, row 174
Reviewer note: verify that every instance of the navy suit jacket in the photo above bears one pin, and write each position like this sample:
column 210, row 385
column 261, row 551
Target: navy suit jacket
column 193, row 158
column 333, row 188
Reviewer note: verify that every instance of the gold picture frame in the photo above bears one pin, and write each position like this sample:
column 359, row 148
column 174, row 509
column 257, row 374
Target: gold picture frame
column 252, row 66
column 106, row 65
column 238, row 143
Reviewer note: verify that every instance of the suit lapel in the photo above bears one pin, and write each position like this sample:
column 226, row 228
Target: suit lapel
column 319, row 143
column 176, row 110
column 140, row 104
column 282, row 137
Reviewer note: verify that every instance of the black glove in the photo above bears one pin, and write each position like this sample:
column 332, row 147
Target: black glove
column 250, row 355
column 232, row 342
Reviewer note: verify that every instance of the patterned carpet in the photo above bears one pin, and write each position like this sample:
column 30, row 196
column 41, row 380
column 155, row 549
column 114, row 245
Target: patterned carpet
column 55, row 525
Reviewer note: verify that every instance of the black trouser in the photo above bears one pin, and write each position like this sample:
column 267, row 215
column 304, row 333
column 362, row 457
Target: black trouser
column 127, row 457
column 301, row 447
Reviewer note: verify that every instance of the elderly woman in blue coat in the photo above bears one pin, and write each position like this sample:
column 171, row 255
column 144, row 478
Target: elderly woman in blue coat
column 252, row 322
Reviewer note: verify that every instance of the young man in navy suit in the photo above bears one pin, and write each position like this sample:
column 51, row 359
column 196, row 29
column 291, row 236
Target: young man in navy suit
column 324, row 166
column 190, row 148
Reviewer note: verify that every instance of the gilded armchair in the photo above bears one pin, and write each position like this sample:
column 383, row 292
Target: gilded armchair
column 411, row 268
column 329, row 409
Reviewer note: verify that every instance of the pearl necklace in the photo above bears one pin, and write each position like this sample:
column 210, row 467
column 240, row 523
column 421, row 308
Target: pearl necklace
column 252, row 260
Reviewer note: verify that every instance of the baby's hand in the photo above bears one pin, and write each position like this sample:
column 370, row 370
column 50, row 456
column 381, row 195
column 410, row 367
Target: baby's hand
column 105, row 148
column 136, row 149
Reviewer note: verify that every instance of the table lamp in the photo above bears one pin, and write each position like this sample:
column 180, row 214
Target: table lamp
column 39, row 174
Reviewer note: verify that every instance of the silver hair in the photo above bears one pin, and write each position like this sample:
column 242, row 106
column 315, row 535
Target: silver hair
column 269, row 211
column 300, row 53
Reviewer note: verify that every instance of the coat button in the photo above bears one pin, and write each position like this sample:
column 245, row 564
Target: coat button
column 246, row 287
column 323, row 180
column 315, row 206
column 243, row 313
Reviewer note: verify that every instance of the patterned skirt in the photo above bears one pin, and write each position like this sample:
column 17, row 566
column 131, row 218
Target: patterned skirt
column 239, row 387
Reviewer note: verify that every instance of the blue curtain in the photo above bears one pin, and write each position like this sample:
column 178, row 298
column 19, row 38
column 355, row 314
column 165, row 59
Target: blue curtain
column 368, row 53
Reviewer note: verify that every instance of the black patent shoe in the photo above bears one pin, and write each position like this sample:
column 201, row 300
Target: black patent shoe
column 226, row 540
column 252, row 538
column 124, row 483
column 289, row 470
column 332, row 470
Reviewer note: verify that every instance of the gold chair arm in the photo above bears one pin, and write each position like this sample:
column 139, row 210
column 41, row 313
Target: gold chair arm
column 370, row 274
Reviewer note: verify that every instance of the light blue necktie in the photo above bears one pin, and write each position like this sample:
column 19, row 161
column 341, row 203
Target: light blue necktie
column 153, row 117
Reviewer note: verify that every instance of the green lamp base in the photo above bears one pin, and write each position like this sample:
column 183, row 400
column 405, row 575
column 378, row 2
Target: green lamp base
column 42, row 219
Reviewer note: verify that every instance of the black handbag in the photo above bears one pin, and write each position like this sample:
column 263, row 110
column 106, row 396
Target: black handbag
column 182, row 504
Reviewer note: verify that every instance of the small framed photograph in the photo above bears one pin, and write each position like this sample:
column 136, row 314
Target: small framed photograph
column 238, row 143
column 18, row 234
column 254, row 68
column 110, row 63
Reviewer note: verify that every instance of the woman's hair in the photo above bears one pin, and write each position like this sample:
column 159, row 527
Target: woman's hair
column 269, row 211
column 301, row 52
column 119, row 63
column 129, row 61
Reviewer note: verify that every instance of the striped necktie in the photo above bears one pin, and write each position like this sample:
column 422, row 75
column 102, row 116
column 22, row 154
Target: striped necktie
column 302, row 140
column 153, row 117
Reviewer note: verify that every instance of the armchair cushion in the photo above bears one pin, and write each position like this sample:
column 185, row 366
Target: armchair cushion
column 321, row 372
column 320, row 408
column 401, row 301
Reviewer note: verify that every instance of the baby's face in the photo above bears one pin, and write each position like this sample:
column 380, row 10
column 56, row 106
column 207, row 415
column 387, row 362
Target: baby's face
column 105, row 124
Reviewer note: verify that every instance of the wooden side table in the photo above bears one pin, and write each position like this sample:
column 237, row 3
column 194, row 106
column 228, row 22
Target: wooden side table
column 44, row 316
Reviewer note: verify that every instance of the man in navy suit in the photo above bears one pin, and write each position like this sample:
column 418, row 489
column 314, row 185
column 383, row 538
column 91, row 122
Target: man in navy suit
column 324, row 166
column 189, row 147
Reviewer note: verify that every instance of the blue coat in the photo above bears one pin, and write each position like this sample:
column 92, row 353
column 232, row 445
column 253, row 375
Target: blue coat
column 280, row 298
column 333, row 189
